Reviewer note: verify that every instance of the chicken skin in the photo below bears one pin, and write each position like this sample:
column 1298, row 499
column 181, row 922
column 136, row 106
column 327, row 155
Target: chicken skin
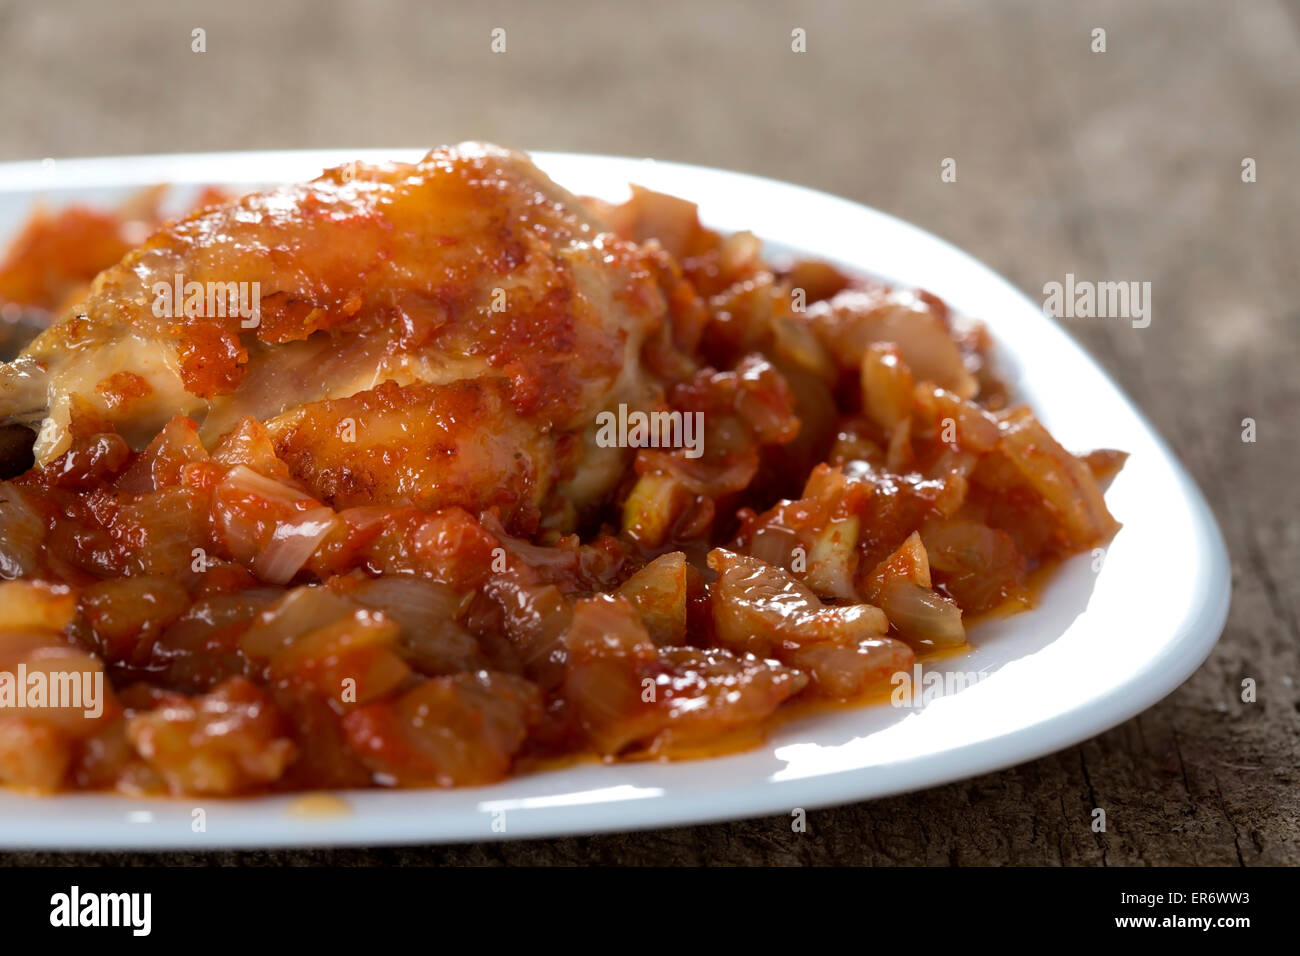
column 432, row 334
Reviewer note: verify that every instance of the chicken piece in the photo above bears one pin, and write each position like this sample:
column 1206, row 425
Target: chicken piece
column 438, row 333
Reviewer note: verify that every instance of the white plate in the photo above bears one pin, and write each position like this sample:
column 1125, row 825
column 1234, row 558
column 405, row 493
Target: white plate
column 1100, row 648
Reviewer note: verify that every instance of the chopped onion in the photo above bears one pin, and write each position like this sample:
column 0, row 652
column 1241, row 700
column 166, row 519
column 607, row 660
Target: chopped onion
column 428, row 612
column 673, row 221
column 774, row 545
column 843, row 672
column 794, row 343
column 536, row 617
column 1065, row 484
column 833, row 560
column 303, row 609
column 849, row 322
column 21, row 533
column 534, row 555
column 921, row 614
column 245, row 480
column 887, row 385
column 418, row 604
column 654, row 505
column 36, row 606
column 292, row 543
column 764, row 610
column 244, row 533
column 658, row 593
column 740, row 253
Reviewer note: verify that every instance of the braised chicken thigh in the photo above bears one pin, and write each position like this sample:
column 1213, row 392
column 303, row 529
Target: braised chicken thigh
column 460, row 322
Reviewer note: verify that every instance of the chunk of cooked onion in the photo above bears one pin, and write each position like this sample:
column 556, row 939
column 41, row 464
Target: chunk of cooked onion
column 21, row 533
column 292, row 543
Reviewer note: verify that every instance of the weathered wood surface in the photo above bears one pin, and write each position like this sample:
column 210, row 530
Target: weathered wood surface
column 1123, row 165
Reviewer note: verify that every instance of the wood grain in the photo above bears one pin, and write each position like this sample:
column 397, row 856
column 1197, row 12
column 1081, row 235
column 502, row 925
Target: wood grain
column 1124, row 164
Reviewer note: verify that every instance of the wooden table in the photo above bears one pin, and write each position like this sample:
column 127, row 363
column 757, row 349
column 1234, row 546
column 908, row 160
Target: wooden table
column 1123, row 164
